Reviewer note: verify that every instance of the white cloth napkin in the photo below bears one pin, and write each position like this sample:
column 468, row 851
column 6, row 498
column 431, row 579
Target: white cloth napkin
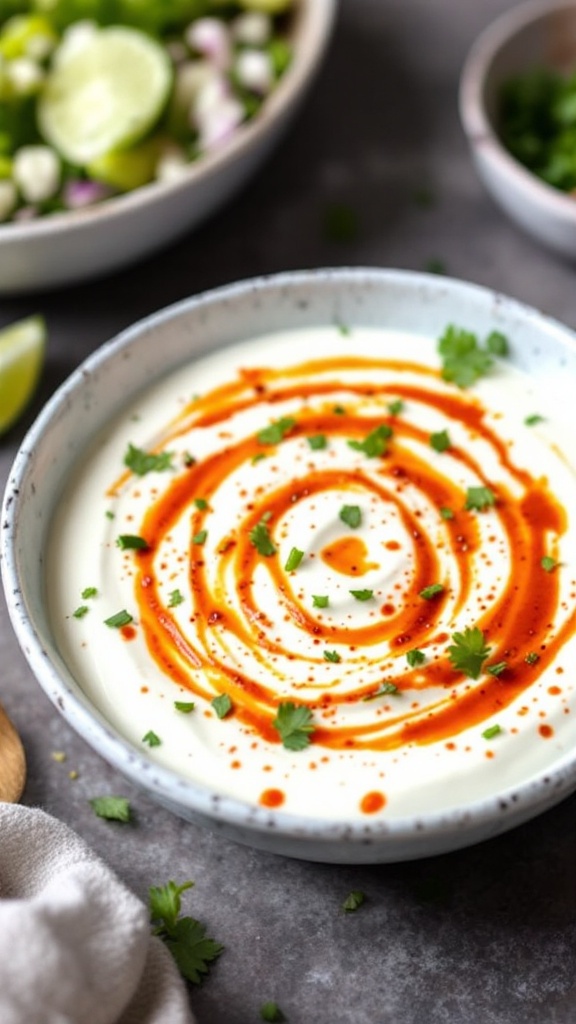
column 75, row 943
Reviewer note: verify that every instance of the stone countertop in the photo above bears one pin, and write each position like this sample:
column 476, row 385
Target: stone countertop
column 482, row 936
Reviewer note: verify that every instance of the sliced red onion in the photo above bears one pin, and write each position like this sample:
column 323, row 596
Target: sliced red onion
column 77, row 194
column 211, row 38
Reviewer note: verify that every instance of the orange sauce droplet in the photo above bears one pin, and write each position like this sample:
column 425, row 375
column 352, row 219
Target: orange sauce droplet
column 349, row 556
column 127, row 632
column 373, row 802
column 546, row 731
column 272, row 798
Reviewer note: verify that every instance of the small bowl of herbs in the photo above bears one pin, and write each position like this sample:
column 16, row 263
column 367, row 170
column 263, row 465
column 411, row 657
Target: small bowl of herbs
column 518, row 110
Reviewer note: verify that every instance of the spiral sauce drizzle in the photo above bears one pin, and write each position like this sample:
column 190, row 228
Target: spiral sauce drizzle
column 252, row 630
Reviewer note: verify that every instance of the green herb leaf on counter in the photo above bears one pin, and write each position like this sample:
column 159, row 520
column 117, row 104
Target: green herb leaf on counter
column 351, row 515
column 175, row 598
column 464, row 360
column 141, row 462
column 277, row 431
column 131, row 542
column 531, row 421
column 374, row 444
column 491, row 732
column 293, row 560
column 317, row 442
column 432, row 591
column 469, row 651
column 222, row 705
column 479, row 498
column 118, row 620
column 185, row 937
column 112, row 808
column 293, row 723
column 415, row 657
column 184, row 706
column 548, row 563
column 362, row 595
column 261, row 540
column 332, row 656
column 320, row 600
column 272, row 1013
column 353, row 901
column 440, row 441
column 151, row 739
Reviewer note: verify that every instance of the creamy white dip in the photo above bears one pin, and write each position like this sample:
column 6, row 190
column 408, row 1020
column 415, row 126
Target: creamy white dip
column 212, row 615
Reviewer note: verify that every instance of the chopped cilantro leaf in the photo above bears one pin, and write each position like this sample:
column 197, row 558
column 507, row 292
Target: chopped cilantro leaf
column 497, row 344
column 440, row 441
column 222, row 705
column 200, row 537
column 353, row 900
column 415, row 657
column 317, row 442
column 276, row 432
column 188, row 460
column 479, row 498
column 184, row 936
column 432, row 591
column 332, row 656
column 463, row 359
column 386, row 690
column 339, row 410
column 532, row 658
column 185, row 706
column 532, row 420
column 89, row 592
column 469, row 651
column 261, row 540
column 118, row 620
column 293, row 723
column 491, row 732
column 201, row 503
column 112, row 808
column 81, row 611
column 131, row 542
column 362, row 595
column 395, row 407
column 141, row 462
column 175, row 599
column 272, row 1013
column 548, row 563
column 446, row 512
column 294, row 559
column 351, row 515
column 498, row 668
column 374, row 444
column 151, row 739
column 320, row 600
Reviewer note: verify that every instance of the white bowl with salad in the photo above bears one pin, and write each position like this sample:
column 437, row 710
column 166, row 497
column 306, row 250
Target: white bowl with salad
column 123, row 125
column 518, row 110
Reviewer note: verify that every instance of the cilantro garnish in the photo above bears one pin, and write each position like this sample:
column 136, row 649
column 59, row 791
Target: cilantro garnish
column 548, row 563
column 464, row 360
column 446, row 512
column 175, row 599
column 201, row 503
column 112, row 808
column 440, row 441
column 118, row 620
column 498, row 668
column 141, row 462
column 491, row 732
column 151, row 739
column 469, row 651
column 131, row 542
column 272, row 1013
column 374, row 443
column 354, row 900
column 320, row 600
column 222, row 705
column 351, row 515
column 339, row 410
column 89, row 592
column 332, row 656
column 276, row 432
column 395, row 407
column 293, row 723
column 362, row 595
column 531, row 658
column 184, row 936
column 479, row 498
column 317, row 442
column 294, row 559
column 432, row 591
column 261, row 540
column 532, row 420
column 81, row 611
column 200, row 537
column 386, row 690
column 415, row 657
column 185, row 706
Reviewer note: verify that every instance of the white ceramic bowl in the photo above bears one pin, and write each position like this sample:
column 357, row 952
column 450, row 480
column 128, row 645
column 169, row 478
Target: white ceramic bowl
column 113, row 376
column 80, row 244
column 538, row 34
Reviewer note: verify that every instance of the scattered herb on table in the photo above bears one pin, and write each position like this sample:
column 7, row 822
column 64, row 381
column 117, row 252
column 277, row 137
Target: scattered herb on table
column 112, row 808
column 185, row 937
column 272, row 1013
column 353, row 901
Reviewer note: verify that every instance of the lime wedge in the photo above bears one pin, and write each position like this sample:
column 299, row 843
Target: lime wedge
column 127, row 168
column 22, row 348
column 104, row 96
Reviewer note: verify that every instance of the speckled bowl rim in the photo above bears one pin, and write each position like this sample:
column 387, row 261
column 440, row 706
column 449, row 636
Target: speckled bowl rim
column 414, row 836
column 314, row 26
column 478, row 126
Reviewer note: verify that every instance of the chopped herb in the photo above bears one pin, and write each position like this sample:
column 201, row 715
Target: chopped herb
column 151, row 739
column 258, row 457
column 141, row 462
column 395, row 407
column 317, row 442
column 440, row 441
column 131, row 542
column 548, row 563
column 531, row 658
column 469, row 651
column 109, row 514
column 354, row 900
column 222, row 705
column 276, row 432
column 118, row 620
column 497, row 344
column 339, row 410
column 415, row 657
column 175, row 599
column 463, row 359
column 340, row 223
column 184, row 936
column 479, row 498
column 81, row 611
column 332, row 656
column 374, row 444
column 293, row 723
column 532, row 420
column 261, row 540
column 272, row 1013
column 200, row 537
column 446, row 512
column 351, row 515
column 294, row 559
column 435, row 266
column 185, row 706
column 497, row 669
column 386, row 690
column 432, row 591
column 89, row 592
column 491, row 732
column 112, row 808
column 201, row 503
column 320, row 600
column 362, row 595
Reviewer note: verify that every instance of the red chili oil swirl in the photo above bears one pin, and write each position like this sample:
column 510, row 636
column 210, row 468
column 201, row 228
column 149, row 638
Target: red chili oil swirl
column 517, row 619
